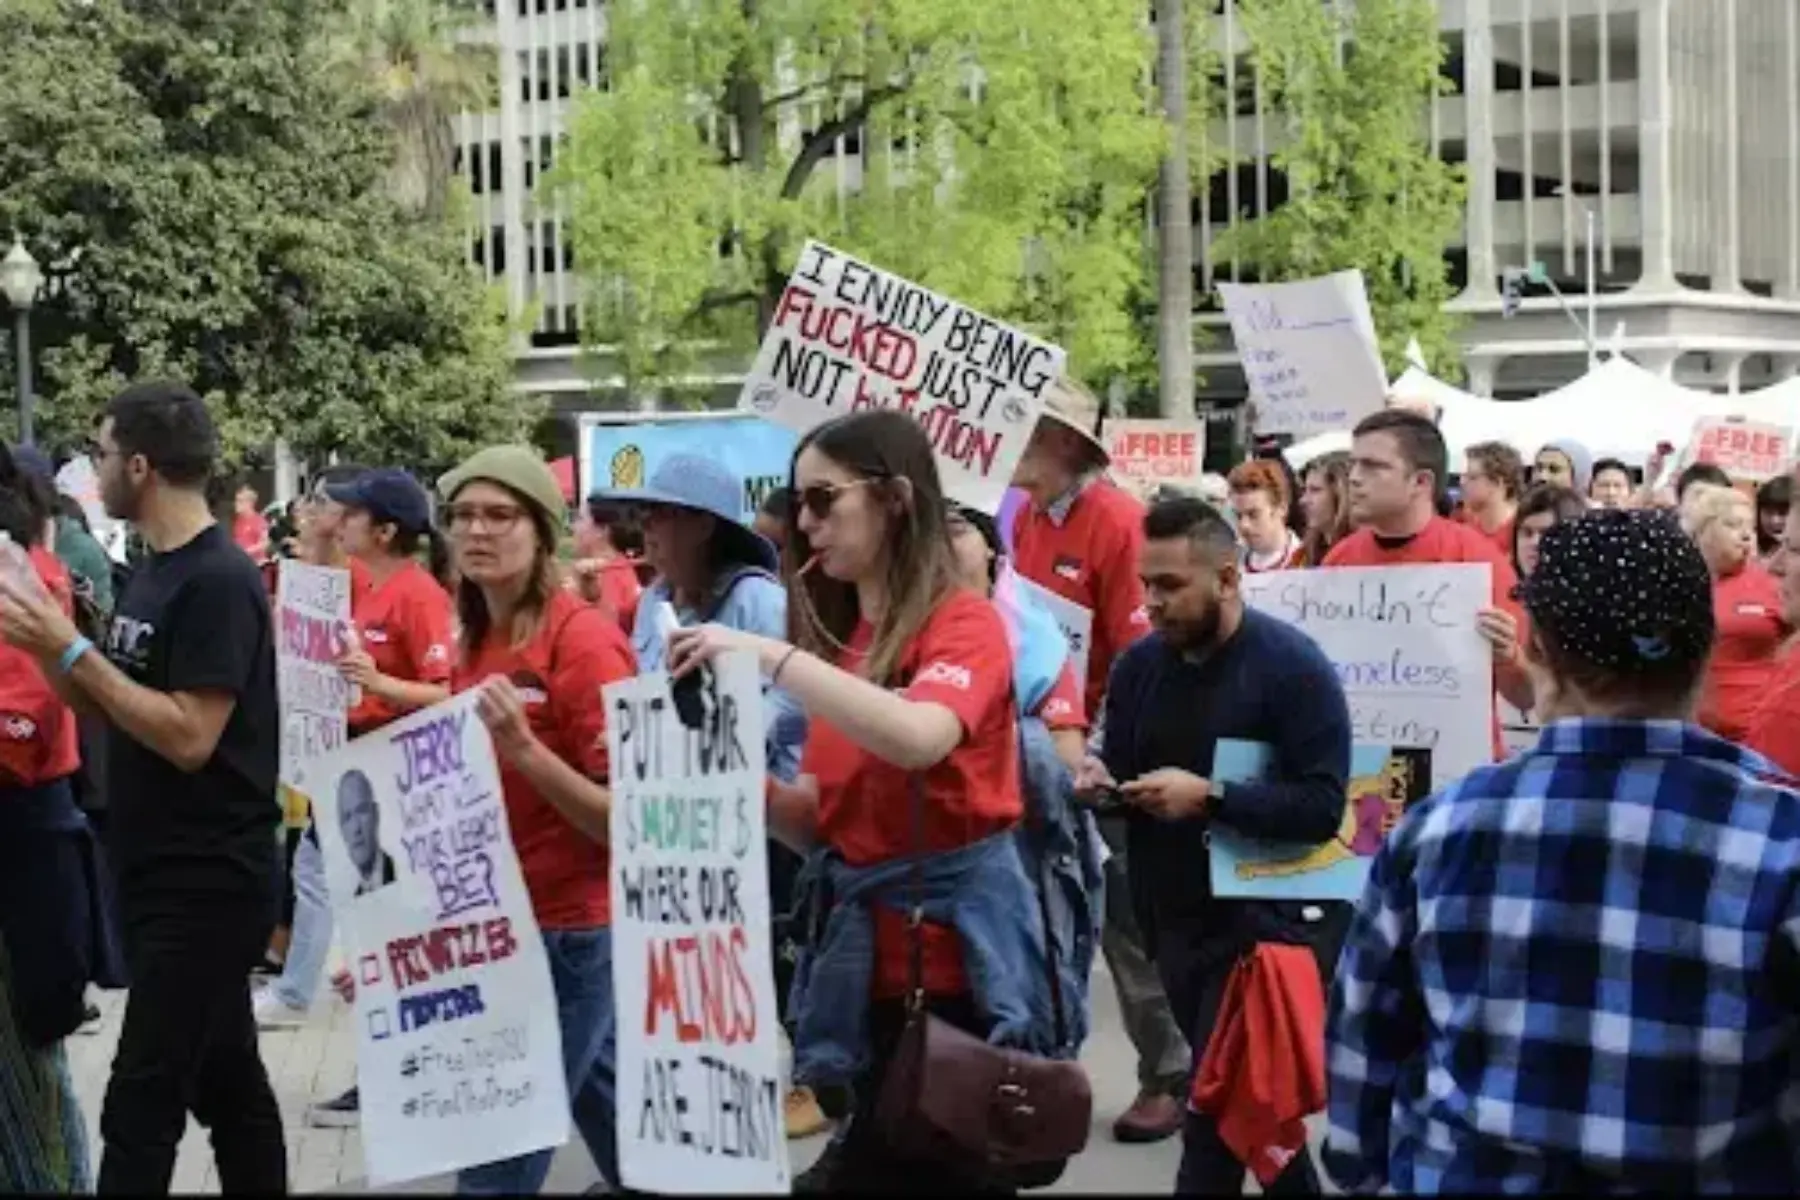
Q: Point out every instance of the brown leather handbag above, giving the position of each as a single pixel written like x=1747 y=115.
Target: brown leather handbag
x=950 y=1094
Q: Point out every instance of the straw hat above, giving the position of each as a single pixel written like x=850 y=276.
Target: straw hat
x=1074 y=407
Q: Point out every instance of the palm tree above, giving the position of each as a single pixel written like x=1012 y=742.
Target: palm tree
x=1175 y=230
x=423 y=75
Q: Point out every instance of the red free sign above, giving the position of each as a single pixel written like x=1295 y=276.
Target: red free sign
x=1749 y=450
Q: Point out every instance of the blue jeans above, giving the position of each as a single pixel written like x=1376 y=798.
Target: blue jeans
x=581 y=972
x=309 y=942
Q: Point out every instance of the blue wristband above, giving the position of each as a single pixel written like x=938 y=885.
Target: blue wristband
x=72 y=655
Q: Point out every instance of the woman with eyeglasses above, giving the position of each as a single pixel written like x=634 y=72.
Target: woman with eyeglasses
x=541 y=657
x=912 y=745
x=1541 y=507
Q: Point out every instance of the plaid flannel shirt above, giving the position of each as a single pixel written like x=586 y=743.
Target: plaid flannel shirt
x=1579 y=970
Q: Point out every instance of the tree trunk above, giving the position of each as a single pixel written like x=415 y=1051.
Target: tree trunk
x=1175 y=227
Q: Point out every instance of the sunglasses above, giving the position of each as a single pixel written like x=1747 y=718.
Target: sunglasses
x=820 y=498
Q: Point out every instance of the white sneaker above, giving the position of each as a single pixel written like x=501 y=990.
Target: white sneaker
x=271 y=1013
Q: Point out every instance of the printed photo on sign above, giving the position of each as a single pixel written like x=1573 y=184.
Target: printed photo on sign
x=848 y=336
x=624 y=457
x=1415 y=671
x=1309 y=352
x=459 y=1049
x=312 y=630
x=1384 y=782
x=700 y=1100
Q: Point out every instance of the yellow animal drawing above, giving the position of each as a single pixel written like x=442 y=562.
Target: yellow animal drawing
x=628 y=468
x=1372 y=806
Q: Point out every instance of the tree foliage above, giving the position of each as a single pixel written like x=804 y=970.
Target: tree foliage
x=1000 y=153
x=1366 y=191
x=211 y=199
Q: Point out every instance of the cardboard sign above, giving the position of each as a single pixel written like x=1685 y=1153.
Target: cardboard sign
x=1748 y=451
x=700 y=1097
x=1309 y=352
x=1148 y=454
x=312 y=631
x=458 y=1045
x=848 y=336
x=1075 y=620
x=1416 y=673
x=627 y=456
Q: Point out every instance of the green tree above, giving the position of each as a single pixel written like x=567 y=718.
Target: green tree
x=1005 y=154
x=1366 y=190
x=211 y=199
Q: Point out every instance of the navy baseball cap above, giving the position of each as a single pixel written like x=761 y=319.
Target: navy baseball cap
x=387 y=495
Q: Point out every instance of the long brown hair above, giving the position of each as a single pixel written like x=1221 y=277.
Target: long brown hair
x=1318 y=542
x=886 y=448
x=471 y=606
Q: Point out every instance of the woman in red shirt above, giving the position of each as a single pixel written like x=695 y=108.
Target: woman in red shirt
x=1775 y=731
x=608 y=550
x=541 y=657
x=1746 y=610
x=907 y=678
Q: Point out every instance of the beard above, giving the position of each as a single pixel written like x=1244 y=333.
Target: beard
x=120 y=499
x=1198 y=633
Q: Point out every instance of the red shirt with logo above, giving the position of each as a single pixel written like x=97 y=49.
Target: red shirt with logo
x=559 y=673
x=404 y=624
x=1441 y=541
x=961 y=660
x=620 y=591
x=38 y=738
x=1090 y=556
x=1775 y=730
x=1061 y=707
x=1748 y=633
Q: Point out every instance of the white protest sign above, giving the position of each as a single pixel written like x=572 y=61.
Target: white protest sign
x=1150 y=453
x=80 y=482
x=1309 y=352
x=700 y=1106
x=1748 y=451
x=849 y=336
x=1076 y=622
x=458 y=1045
x=312 y=623
x=1403 y=640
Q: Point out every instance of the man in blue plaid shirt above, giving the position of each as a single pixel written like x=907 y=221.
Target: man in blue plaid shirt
x=1580 y=970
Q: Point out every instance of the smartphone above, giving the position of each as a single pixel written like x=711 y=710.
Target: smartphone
x=690 y=704
x=1103 y=799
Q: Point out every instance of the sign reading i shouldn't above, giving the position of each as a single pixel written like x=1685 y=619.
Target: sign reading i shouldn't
x=849 y=336
x=699 y=1077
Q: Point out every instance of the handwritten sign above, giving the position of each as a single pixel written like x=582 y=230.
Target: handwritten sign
x=1309 y=352
x=1384 y=782
x=1748 y=451
x=1403 y=639
x=78 y=480
x=1148 y=454
x=848 y=336
x=700 y=1093
x=312 y=623
x=1075 y=620
x=459 y=1049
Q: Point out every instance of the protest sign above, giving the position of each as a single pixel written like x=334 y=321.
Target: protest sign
x=700 y=1105
x=78 y=480
x=848 y=336
x=758 y=452
x=312 y=629
x=1384 y=782
x=1309 y=352
x=1076 y=621
x=1416 y=672
x=1148 y=454
x=458 y=1045
x=1748 y=451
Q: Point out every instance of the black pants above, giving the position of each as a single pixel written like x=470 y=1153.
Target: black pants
x=290 y=845
x=189 y=1045
x=1195 y=975
x=866 y=1164
x=784 y=868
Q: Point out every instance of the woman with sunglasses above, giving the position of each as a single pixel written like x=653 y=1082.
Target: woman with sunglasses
x=912 y=744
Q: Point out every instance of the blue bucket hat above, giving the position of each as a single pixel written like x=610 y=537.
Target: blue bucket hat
x=703 y=485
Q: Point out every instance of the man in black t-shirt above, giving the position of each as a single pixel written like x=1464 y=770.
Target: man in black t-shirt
x=187 y=682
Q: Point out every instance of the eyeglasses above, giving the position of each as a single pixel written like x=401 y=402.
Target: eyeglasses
x=820 y=498
x=491 y=518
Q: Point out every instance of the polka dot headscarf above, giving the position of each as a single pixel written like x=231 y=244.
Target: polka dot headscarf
x=1626 y=590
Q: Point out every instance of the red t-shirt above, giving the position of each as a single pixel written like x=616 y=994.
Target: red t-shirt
x=620 y=591
x=960 y=659
x=404 y=624
x=1502 y=536
x=38 y=738
x=1749 y=632
x=251 y=532
x=1061 y=707
x=1441 y=541
x=1092 y=559
x=1775 y=730
x=576 y=652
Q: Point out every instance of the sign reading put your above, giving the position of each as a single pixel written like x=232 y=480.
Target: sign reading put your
x=849 y=336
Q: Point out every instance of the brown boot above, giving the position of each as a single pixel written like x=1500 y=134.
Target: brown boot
x=1153 y=1117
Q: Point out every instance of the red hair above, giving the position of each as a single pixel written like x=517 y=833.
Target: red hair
x=1261 y=475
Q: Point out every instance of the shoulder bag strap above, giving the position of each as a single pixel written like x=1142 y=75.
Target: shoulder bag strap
x=915 y=908
x=1043 y=883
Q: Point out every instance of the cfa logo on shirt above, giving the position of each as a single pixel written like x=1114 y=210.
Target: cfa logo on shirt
x=128 y=643
x=1068 y=568
x=1752 y=610
x=375 y=635
x=948 y=674
x=1056 y=710
x=530 y=688
x=437 y=654
x=18 y=727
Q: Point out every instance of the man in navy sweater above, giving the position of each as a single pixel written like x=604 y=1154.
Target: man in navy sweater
x=1214 y=669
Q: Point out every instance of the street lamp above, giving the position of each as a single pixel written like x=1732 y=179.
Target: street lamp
x=20 y=279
